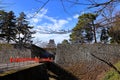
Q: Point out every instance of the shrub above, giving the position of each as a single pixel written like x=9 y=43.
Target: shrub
x=112 y=74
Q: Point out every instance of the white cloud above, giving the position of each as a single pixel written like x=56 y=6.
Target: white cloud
x=43 y=22
x=42 y=13
x=53 y=24
x=50 y=19
x=46 y=37
x=35 y=18
x=69 y=19
x=76 y=16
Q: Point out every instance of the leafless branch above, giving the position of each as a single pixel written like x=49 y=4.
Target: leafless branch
x=39 y=1
x=64 y=7
x=101 y=4
x=105 y=21
x=77 y=2
x=107 y=62
x=91 y=4
x=5 y=5
x=44 y=4
x=38 y=41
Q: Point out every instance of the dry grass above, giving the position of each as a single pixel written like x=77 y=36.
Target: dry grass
x=5 y=46
x=87 y=71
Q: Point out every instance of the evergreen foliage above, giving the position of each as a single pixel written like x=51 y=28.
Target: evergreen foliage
x=85 y=30
x=15 y=29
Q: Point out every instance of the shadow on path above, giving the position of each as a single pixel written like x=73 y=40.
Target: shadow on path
x=61 y=74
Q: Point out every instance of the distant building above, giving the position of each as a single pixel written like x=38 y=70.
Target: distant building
x=51 y=44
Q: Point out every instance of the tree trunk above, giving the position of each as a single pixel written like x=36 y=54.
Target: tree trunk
x=94 y=32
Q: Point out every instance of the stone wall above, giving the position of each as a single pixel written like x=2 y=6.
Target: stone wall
x=7 y=51
x=34 y=73
x=67 y=54
x=41 y=52
x=78 y=60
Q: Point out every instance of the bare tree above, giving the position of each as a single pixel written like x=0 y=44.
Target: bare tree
x=108 y=13
x=89 y=3
x=4 y=5
x=107 y=62
x=40 y=43
x=100 y=7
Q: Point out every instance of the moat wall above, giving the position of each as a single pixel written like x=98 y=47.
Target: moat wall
x=7 y=51
x=78 y=60
x=34 y=73
x=69 y=54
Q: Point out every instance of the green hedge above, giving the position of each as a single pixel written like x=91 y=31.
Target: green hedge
x=112 y=74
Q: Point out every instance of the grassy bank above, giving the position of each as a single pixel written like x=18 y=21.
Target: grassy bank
x=112 y=74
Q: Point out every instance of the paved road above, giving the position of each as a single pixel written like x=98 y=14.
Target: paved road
x=16 y=66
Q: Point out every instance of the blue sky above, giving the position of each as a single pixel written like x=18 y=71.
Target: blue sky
x=51 y=17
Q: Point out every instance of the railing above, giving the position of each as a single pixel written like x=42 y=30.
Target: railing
x=17 y=63
x=36 y=59
x=14 y=65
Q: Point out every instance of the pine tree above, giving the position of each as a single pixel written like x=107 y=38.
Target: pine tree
x=85 y=30
x=23 y=30
x=3 y=15
x=8 y=26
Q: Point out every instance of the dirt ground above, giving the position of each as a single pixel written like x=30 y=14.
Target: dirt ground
x=88 y=71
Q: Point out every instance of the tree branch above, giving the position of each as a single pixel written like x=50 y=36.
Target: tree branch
x=44 y=4
x=39 y=1
x=63 y=6
x=108 y=63
x=101 y=4
x=76 y=2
